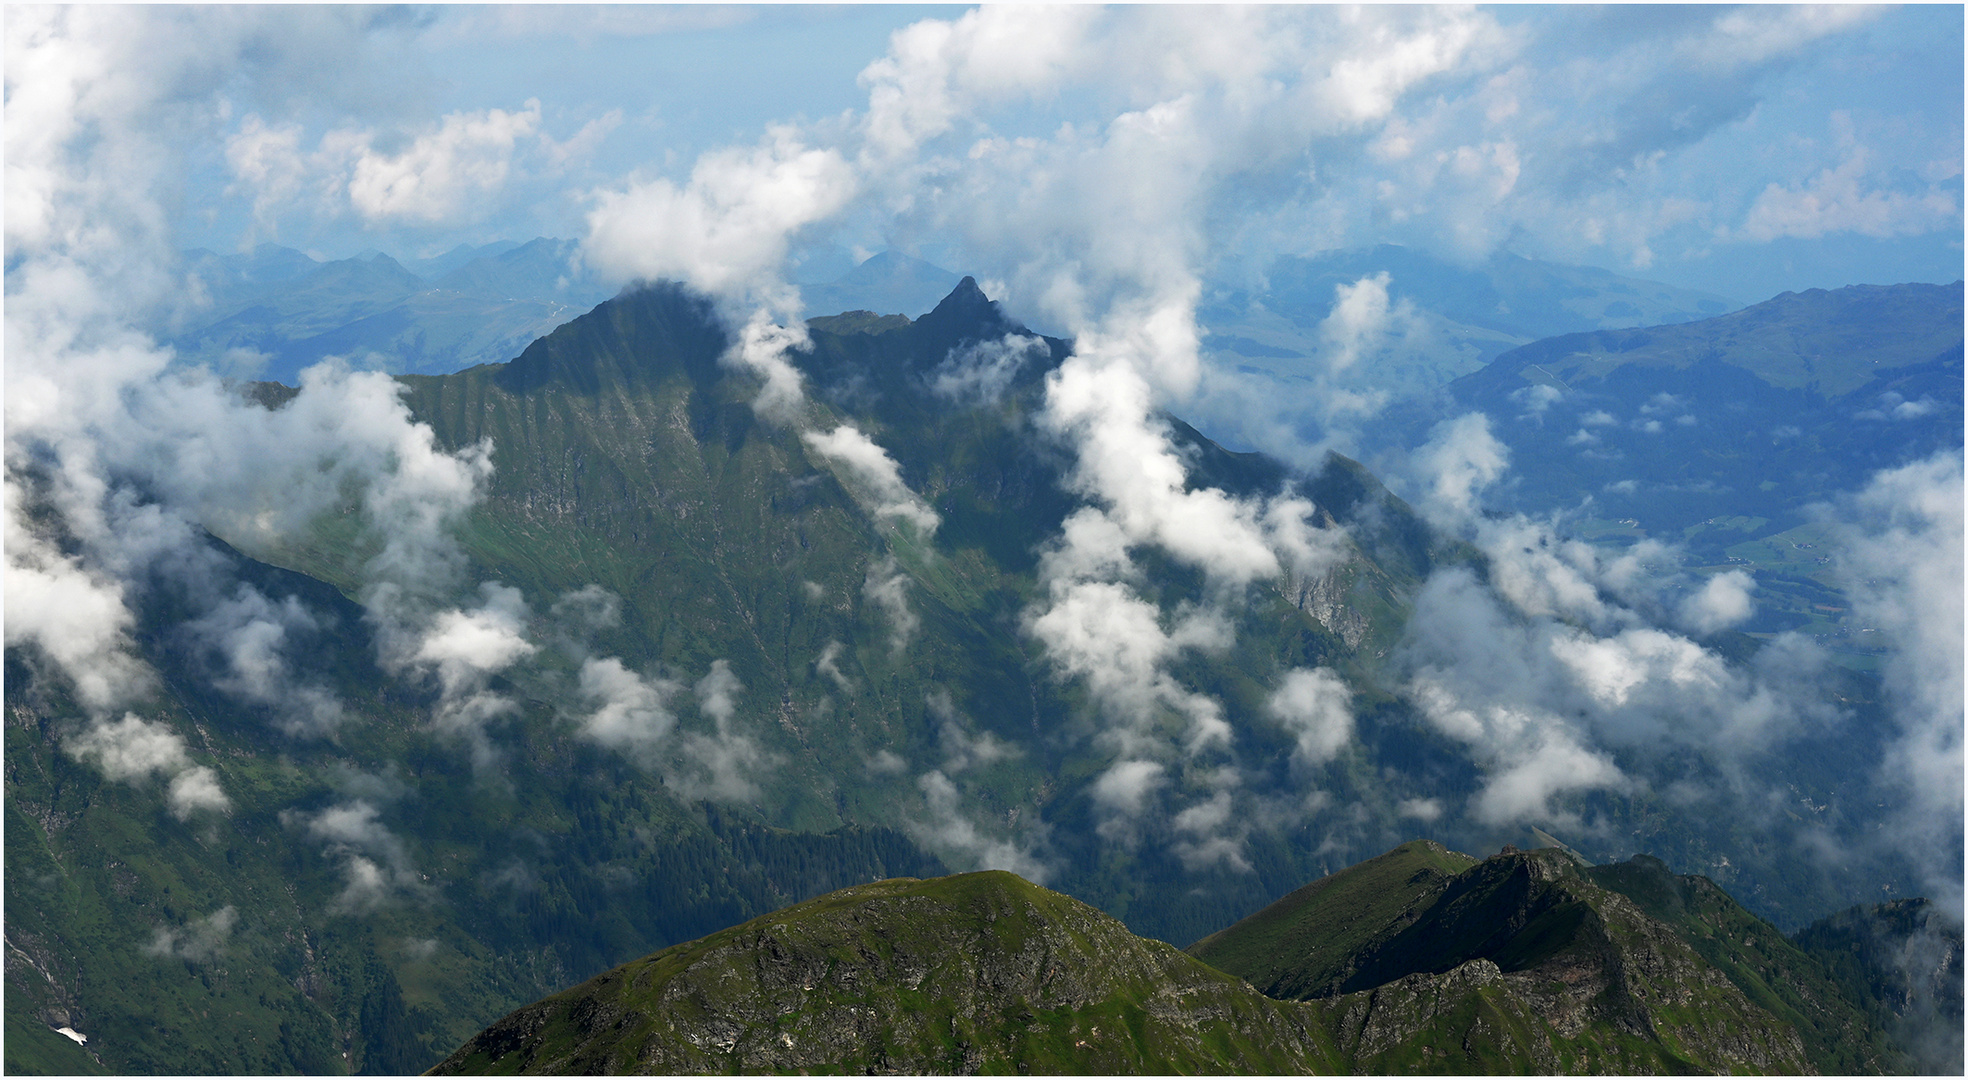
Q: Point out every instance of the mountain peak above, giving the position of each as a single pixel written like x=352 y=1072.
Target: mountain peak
x=967 y=315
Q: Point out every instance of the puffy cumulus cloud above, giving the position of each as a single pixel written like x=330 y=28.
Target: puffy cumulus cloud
x=463 y=649
x=631 y=712
x=1547 y=766
x=443 y=171
x=74 y=615
x=1359 y=317
x=958 y=838
x=1115 y=641
x=1103 y=404
x=887 y=588
x=873 y=476
x=199 y=941
x=1209 y=834
x=935 y=71
x=981 y=371
x=464 y=646
x=134 y=749
x=723 y=763
x=727 y=230
x=256 y=638
x=1317 y=708
x=1551 y=710
x=1422 y=810
x=451 y=172
x=375 y=863
x=1459 y=460
x=962 y=749
x=1721 y=604
x=1125 y=789
x=1901 y=564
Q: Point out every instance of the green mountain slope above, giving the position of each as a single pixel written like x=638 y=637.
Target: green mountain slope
x=1537 y=935
x=1900 y=963
x=627 y=456
x=879 y=708
x=1306 y=944
x=1531 y=969
x=1721 y=435
x=1468 y=315
x=976 y=973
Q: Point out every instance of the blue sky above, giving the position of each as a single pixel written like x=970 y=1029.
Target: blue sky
x=1740 y=151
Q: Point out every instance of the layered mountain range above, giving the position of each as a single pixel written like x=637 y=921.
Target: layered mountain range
x=744 y=661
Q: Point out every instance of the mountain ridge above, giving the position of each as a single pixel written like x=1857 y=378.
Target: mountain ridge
x=986 y=972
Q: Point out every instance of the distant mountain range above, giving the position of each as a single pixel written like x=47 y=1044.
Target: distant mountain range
x=1720 y=434
x=1448 y=319
x=1423 y=960
x=274 y=311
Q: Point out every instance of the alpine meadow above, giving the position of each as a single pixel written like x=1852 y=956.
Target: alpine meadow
x=1025 y=539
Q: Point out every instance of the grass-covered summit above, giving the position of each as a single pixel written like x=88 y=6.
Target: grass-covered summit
x=1422 y=960
x=1627 y=966
x=981 y=972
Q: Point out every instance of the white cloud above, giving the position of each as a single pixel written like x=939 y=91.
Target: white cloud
x=1460 y=459
x=1316 y=707
x=255 y=636
x=376 y=866
x=873 y=476
x=960 y=840
x=443 y=171
x=1102 y=633
x=727 y=230
x=1838 y=200
x=134 y=749
x=887 y=588
x=1210 y=835
x=828 y=664
x=962 y=749
x=980 y=372
x=1722 y=603
x=1901 y=564
x=631 y=712
x=200 y=941
x=727 y=763
x=1422 y=810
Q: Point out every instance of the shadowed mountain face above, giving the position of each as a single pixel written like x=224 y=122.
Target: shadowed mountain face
x=1625 y=954
x=1900 y=961
x=1515 y=964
